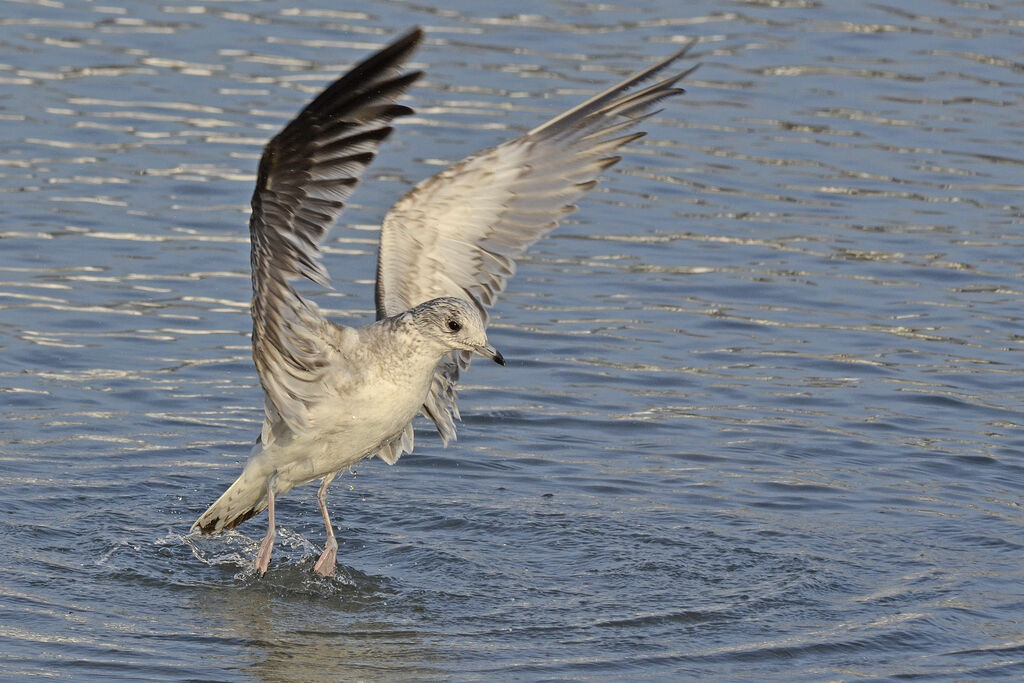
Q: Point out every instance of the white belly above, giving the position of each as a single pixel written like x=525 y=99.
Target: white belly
x=347 y=428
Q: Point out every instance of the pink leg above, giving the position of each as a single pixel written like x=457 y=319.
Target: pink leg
x=327 y=563
x=267 y=544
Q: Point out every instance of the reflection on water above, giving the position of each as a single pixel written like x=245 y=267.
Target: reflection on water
x=762 y=412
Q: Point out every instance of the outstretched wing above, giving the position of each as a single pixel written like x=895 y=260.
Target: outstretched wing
x=459 y=232
x=306 y=174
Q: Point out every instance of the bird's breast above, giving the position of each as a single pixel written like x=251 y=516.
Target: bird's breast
x=374 y=402
x=374 y=389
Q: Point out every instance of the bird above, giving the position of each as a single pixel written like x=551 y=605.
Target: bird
x=337 y=394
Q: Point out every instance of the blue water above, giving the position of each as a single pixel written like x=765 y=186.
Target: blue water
x=762 y=415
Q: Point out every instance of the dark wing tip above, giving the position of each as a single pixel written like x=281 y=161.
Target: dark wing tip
x=690 y=70
x=375 y=76
x=687 y=46
x=396 y=51
x=614 y=95
x=414 y=37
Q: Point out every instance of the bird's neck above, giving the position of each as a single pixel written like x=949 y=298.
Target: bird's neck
x=415 y=350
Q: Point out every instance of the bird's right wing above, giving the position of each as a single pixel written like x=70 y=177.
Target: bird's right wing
x=459 y=232
x=306 y=175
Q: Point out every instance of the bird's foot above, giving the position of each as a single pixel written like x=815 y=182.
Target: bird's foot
x=327 y=564
x=263 y=556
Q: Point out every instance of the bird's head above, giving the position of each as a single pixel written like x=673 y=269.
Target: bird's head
x=455 y=324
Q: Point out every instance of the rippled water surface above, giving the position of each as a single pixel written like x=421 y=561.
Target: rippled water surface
x=762 y=415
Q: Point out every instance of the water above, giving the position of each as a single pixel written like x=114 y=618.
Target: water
x=762 y=415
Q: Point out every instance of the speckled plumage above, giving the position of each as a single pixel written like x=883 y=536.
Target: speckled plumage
x=335 y=395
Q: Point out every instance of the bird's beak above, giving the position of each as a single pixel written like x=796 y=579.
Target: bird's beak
x=489 y=351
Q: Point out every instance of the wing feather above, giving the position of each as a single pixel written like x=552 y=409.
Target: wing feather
x=306 y=174
x=459 y=232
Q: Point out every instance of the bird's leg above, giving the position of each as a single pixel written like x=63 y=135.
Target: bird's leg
x=267 y=544
x=327 y=563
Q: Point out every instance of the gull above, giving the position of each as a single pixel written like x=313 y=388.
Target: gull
x=335 y=395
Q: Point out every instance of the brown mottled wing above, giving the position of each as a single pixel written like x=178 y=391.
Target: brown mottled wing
x=306 y=174
x=459 y=232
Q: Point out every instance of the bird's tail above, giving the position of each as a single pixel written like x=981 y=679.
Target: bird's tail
x=245 y=498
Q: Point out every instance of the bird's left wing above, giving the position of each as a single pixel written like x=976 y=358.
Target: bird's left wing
x=459 y=232
x=306 y=174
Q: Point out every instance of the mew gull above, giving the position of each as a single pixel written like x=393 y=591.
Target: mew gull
x=335 y=395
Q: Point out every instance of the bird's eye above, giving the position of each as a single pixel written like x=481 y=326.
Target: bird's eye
x=454 y=325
